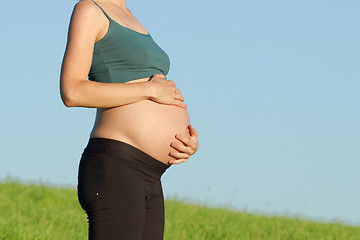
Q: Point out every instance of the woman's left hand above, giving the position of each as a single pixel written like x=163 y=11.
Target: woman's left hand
x=185 y=150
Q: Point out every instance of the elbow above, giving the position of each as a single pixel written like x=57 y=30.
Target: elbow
x=71 y=90
x=68 y=102
x=69 y=99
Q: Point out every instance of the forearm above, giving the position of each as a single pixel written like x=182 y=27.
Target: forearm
x=104 y=95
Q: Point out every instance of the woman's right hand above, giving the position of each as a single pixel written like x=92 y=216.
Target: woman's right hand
x=165 y=92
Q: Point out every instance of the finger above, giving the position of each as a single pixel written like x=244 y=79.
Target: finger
x=158 y=75
x=179 y=155
x=179 y=104
x=181 y=148
x=172 y=83
x=193 y=132
x=177 y=161
x=192 y=143
x=184 y=140
x=178 y=95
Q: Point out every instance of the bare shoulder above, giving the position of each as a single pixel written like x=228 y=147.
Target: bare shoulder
x=87 y=20
x=87 y=9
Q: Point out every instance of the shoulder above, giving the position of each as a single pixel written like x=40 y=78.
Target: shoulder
x=88 y=16
x=86 y=9
x=86 y=22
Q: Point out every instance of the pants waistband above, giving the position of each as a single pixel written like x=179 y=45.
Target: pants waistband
x=119 y=148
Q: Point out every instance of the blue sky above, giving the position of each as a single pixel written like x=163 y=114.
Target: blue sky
x=272 y=87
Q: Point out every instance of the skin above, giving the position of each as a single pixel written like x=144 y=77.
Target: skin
x=88 y=25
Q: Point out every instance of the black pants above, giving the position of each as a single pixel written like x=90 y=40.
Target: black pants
x=119 y=188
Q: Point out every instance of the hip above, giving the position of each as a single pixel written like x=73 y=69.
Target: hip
x=108 y=166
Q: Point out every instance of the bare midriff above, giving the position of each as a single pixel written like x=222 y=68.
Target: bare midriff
x=149 y=126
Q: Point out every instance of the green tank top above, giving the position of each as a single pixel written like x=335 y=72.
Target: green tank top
x=124 y=54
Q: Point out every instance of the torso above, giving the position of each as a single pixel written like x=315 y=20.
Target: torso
x=146 y=125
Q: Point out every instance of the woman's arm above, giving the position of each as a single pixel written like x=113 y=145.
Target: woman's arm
x=86 y=24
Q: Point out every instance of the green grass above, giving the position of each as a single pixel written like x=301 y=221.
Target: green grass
x=42 y=212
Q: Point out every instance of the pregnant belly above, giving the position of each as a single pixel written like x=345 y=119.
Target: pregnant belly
x=149 y=126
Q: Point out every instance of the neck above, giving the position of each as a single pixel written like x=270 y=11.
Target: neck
x=118 y=3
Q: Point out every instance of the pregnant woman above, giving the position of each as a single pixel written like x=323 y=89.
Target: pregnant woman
x=142 y=126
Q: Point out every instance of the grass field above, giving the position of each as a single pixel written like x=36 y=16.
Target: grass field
x=29 y=212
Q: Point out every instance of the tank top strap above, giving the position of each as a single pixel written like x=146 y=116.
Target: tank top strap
x=102 y=10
